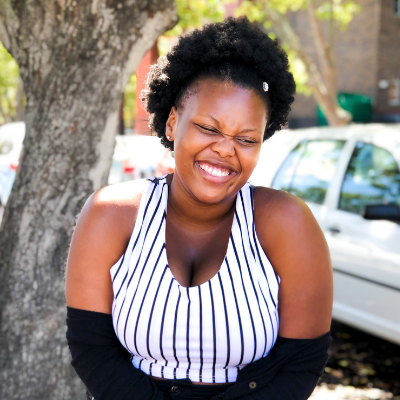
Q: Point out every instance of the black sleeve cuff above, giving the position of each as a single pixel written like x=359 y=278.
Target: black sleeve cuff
x=101 y=362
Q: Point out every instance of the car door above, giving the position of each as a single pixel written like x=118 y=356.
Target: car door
x=308 y=170
x=366 y=254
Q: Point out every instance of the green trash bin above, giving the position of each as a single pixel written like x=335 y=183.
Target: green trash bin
x=358 y=105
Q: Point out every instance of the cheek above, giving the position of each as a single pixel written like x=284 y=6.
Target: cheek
x=190 y=143
x=249 y=159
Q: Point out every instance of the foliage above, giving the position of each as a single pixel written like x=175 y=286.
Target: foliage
x=192 y=14
x=9 y=76
x=130 y=102
x=339 y=12
x=195 y=13
x=298 y=69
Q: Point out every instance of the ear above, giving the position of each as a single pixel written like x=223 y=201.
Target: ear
x=170 y=125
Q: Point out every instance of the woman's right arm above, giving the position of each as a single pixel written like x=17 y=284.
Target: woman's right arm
x=101 y=236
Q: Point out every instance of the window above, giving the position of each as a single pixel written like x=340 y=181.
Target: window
x=309 y=168
x=396 y=7
x=372 y=177
x=394 y=92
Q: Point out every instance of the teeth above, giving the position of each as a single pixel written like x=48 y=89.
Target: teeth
x=213 y=170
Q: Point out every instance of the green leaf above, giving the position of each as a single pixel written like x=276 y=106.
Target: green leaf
x=340 y=11
x=9 y=76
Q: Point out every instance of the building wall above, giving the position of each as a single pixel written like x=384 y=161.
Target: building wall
x=389 y=63
x=356 y=53
x=142 y=117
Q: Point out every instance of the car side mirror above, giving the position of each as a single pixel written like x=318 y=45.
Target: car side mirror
x=390 y=212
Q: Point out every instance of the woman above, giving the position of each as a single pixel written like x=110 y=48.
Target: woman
x=173 y=284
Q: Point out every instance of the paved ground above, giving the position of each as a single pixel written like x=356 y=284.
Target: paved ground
x=360 y=367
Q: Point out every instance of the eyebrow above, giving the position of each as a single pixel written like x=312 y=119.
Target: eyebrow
x=242 y=131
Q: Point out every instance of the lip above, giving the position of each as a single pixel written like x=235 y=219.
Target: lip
x=212 y=178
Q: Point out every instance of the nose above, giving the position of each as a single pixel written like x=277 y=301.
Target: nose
x=224 y=146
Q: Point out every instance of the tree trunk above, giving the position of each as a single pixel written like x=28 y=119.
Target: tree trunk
x=75 y=58
x=323 y=94
x=333 y=112
x=19 y=99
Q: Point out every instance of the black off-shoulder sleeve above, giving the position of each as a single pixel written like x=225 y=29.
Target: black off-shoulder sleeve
x=101 y=362
x=289 y=372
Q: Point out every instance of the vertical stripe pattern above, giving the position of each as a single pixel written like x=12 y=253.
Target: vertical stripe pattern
x=206 y=333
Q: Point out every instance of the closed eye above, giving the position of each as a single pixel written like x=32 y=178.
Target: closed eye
x=208 y=130
x=212 y=131
x=246 y=142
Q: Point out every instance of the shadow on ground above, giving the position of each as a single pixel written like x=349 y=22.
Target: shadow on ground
x=363 y=361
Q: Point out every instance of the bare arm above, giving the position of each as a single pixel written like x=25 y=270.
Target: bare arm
x=296 y=248
x=100 y=238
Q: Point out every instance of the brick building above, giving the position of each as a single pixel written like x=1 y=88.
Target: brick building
x=368 y=60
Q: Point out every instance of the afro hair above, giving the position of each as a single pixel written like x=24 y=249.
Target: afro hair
x=234 y=50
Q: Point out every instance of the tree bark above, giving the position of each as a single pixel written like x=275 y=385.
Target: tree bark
x=335 y=114
x=19 y=99
x=75 y=58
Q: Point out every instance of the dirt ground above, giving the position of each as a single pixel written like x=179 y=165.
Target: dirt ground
x=360 y=367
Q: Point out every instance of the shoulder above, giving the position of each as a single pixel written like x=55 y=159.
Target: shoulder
x=107 y=219
x=279 y=212
x=114 y=207
x=296 y=247
x=286 y=227
x=101 y=236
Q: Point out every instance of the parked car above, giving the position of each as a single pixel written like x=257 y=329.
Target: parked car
x=135 y=156
x=350 y=179
x=139 y=156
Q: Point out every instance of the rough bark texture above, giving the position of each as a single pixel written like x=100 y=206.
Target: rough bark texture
x=75 y=58
x=19 y=99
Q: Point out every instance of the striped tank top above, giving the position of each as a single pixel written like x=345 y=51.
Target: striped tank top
x=206 y=333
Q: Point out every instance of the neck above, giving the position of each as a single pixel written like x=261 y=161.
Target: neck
x=193 y=214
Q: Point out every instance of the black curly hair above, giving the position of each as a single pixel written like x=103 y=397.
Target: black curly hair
x=234 y=50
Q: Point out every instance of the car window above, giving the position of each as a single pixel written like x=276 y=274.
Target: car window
x=372 y=177
x=309 y=168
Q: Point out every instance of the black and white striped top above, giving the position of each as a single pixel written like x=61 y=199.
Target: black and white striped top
x=205 y=333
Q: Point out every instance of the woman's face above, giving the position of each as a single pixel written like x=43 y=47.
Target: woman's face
x=217 y=133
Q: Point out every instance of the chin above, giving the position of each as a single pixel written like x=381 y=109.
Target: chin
x=214 y=196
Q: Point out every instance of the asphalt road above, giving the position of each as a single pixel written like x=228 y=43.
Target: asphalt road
x=360 y=366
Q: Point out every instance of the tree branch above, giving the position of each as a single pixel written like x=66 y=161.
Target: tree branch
x=325 y=56
x=321 y=45
x=328 y=103
x=4 y=37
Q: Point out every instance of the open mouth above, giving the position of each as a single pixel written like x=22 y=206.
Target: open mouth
x=215 y=171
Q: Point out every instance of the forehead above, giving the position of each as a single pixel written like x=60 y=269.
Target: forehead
x=225 y=100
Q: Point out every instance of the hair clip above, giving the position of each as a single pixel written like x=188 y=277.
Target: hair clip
x=265 y=86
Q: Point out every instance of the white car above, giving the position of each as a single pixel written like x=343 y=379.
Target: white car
x=350 y=179
x=11 y=138
x=139 y=156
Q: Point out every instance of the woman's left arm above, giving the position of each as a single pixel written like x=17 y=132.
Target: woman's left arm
x=296 y=247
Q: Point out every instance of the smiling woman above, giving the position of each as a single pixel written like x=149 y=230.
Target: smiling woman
x=197 y=285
